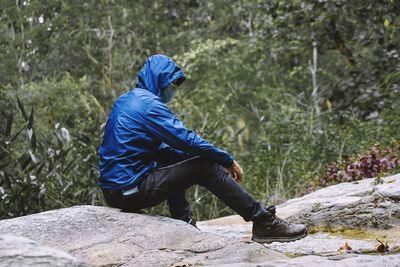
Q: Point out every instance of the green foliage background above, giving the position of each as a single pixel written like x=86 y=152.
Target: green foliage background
x=249 y=88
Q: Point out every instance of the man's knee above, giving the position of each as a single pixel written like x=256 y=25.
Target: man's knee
x=209 y=169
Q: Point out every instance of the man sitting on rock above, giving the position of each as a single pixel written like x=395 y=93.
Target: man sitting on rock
x=148 y=156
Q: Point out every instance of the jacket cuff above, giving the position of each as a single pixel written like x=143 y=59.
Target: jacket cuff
x=228 y=161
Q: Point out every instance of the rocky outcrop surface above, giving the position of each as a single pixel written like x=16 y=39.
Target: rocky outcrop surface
x=20 y=251
x=339 y=210
x=325 y=244
x=103 y=236
x=321 y=248
x=361 y=204
x=345 y=260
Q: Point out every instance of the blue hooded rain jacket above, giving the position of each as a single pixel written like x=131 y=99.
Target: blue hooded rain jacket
x=140 y=127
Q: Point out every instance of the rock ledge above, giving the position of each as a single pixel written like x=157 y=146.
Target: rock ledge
x=102 y=236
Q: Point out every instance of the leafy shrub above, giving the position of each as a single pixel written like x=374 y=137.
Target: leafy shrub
x=42 y=168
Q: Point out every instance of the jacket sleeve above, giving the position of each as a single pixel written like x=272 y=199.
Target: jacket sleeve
x=164 y=125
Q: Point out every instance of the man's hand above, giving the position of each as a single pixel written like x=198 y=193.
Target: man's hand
x=236 y=171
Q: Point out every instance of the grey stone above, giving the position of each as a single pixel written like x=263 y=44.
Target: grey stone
x=324 y=244
x=320 y=243
x=103 y=236
x=346 y=260
x=361 y=204
x=18 y=251
x=320 y=249
x=356 y=205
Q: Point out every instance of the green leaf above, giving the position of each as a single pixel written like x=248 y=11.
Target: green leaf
x=67 y=169
x=24 y=161
x=3 y=154
x=9 y=124
x=33 y=141
x=39 y=169
x=30 y=120
x=16 y=135
x=7 y=180
x=2 y=166
x=33 y=157
x=22 y=109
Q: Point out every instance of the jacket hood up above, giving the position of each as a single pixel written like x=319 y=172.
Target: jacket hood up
x=157 y=73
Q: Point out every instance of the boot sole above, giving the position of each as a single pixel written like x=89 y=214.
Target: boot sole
x=268 y=240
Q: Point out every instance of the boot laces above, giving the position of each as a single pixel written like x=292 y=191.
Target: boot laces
x=275 y=219
x=280 y=221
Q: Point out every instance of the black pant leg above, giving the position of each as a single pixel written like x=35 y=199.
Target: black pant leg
x=152 y=191
x=178 y=206
x=171 y=180
x=169 y=183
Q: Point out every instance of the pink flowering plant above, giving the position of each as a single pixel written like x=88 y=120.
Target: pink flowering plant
x=376 y=162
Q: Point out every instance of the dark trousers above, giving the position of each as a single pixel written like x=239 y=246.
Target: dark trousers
x=170 y=182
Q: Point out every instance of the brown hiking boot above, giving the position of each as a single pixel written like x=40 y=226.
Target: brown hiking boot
x=277 y=230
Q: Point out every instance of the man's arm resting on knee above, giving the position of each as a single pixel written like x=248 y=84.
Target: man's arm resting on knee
x=169 y=129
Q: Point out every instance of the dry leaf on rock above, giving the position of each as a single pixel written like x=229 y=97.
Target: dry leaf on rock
x=382 y=247
x=345 y=248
